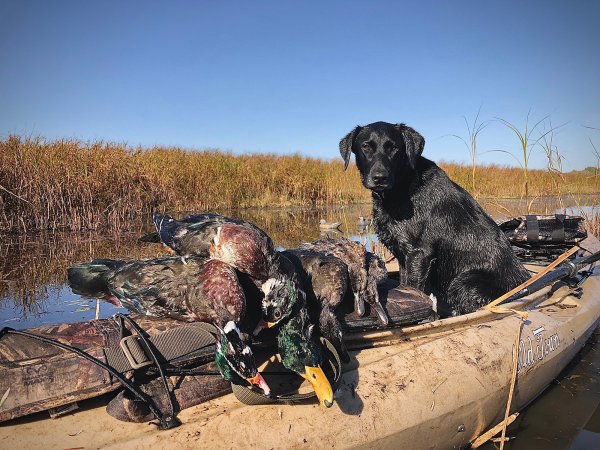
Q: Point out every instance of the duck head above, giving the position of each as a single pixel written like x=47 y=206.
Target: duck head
x=282 y=299
x=235 y=359
x=301 y=353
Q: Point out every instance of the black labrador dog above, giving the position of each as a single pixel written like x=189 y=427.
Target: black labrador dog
x=444 y=241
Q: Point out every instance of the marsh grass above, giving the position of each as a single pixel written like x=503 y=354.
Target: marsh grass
x=473 y=131
x=72 y=185
x=78 y=186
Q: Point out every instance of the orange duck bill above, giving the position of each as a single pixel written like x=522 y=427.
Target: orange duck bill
x=259 y=381
x=263 y=324
x=320 y=383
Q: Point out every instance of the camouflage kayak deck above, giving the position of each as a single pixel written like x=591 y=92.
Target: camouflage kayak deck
x=41 y=376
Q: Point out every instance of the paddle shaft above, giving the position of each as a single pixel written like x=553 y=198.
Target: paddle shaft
x=566 y=269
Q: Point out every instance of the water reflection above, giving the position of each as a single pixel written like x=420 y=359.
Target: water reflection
x=33 y=267
x=567 y=416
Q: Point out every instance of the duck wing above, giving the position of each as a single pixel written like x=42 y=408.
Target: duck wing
x=156 y=287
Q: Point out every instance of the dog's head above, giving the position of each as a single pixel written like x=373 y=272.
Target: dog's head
x=383 y=151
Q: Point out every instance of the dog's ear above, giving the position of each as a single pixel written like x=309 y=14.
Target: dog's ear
x=413 y=141
x=346 y=145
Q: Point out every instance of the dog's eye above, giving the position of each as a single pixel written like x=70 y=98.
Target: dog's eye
x=365 y=147
x=390 y=149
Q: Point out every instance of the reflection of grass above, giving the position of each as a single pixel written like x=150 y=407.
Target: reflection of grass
x=30 y=266
x=594 y=223
x=79 y=186
x=33 y=267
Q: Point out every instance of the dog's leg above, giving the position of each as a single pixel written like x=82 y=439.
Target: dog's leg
x=471 y=290
x=418 y=264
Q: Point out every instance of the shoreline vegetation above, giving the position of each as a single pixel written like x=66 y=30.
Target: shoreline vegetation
x=74 y=185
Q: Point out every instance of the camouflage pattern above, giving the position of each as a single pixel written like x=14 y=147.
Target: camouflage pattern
x=40 y=376
x=574 y=230
x=187 y=391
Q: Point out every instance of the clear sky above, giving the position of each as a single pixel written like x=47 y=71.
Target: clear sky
x=295 y=77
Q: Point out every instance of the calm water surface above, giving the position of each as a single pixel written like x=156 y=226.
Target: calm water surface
x=33 y=292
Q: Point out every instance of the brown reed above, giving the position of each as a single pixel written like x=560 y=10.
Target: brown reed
x=74 y=185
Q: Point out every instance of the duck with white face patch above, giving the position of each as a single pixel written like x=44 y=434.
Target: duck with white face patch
x=235 y=359
x=194 y=290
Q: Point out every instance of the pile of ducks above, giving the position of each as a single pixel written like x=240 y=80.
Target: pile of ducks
x=227 y=272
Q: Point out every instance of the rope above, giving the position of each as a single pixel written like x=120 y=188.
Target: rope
x=513 y=381
x=492 y=306
x=165 y=421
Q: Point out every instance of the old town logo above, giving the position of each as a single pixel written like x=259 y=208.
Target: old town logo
x=535 y=348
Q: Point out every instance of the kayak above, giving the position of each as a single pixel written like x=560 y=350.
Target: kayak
x=438 y=384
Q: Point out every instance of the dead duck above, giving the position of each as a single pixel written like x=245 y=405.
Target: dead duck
x=287 y=315
x=197 y=290
x=326 y=280
x=240 y=244
x=353 y=255
x=376 y=275
x=301 y=353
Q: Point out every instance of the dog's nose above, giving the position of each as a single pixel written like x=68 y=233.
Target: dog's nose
x=379 y=178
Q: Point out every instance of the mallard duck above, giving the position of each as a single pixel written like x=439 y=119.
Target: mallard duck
x=353 y=255
x=240 y=244
x=326 y=280
x=300 y=353
x=194 y=290
x=376 y=274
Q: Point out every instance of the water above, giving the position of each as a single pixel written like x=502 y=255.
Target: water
x=33 y=292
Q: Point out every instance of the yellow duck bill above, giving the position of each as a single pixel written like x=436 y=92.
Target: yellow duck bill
x=320 y=383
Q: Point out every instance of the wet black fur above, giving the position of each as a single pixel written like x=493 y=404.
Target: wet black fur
x=444 y=241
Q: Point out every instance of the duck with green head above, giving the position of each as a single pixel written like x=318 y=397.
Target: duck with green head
x=194 y=290
x=299 y=349
x=301 y=353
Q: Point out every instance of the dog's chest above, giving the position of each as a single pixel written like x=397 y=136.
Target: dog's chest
x=397 y=234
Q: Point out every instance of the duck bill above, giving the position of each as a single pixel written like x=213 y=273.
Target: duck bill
x=262 y=324
x=320 y=383
x=259 y=381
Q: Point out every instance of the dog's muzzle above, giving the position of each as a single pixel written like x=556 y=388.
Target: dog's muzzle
x=378 y=182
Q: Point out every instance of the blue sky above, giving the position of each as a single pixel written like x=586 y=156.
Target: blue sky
x=295 y=77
